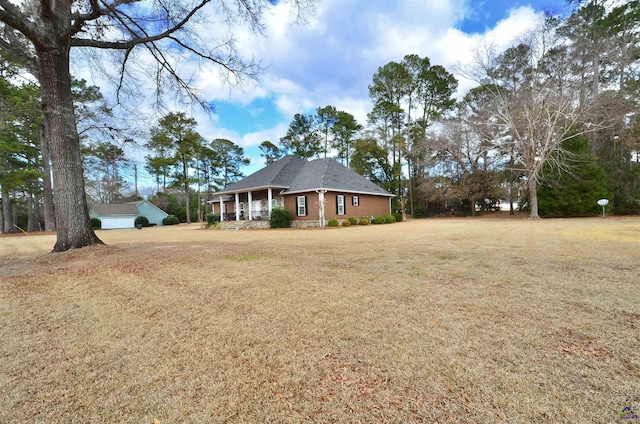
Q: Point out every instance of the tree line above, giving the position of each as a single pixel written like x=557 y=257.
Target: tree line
x=552 y=123
x=178 y=157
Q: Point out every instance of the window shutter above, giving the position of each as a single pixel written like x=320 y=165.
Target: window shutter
x=337 y=205
x=306 y=207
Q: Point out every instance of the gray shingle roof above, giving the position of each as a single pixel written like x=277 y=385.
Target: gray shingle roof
x=279 y=174
x=295 y=175
x=329 y=174
x=115 y=208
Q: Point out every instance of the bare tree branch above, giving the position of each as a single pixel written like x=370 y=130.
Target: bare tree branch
x=16 y=19
x=124 y=19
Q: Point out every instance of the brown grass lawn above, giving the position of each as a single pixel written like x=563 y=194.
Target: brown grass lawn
x=445 y=320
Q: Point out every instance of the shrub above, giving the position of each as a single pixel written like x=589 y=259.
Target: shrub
x=364 y=220
x=346 y=223
x=142 y=221
x=213 y=219
x=333 y=223
x=280 y=218
x=353 y=220
x=390 y=218
x=398 y=216
x=181 y=214
x=96 y=223
x=171 y=220
x=379 y=220
x=194 y=216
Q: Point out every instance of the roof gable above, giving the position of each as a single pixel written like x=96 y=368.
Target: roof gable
x=146 y=207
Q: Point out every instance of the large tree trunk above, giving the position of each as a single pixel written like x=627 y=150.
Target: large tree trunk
x=36 y=213
x=47 y=191
x=511 y=210
x=31 y=218
x=186 y=191
x=7 y=213
x=533 y=198
x=71 y=211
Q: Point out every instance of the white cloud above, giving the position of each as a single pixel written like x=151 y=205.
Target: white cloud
x=271 y=134
x=332 y=59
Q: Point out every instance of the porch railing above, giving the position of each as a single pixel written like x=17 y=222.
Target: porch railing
x=259 y=215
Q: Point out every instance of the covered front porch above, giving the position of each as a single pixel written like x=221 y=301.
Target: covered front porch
x=255 y=205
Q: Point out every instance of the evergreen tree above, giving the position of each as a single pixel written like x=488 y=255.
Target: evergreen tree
x=270 y=152
x=575 y=188
x=303 y=137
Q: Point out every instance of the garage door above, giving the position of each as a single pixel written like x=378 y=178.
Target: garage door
x=115 y=223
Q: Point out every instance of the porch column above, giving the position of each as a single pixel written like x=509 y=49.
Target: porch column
x=321 y=206
x=221 y=209
x=237 y=206
x=270 y=200
x=250 y=202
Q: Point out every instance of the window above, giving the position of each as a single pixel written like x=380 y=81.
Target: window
x=355 y=200
x=274 y=203
x=302 y=205
x=340 y=209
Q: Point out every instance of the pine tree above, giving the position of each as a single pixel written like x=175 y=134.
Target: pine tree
x=575 y=188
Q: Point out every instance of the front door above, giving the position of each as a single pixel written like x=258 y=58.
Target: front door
x=256 y=209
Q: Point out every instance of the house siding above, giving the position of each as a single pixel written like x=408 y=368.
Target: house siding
x=151 y=212
x=313 y=214
x=369 y=205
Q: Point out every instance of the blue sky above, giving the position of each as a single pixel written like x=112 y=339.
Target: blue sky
x=331 y=59
x=485 y=14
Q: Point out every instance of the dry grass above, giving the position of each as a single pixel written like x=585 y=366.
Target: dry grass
x=453 y=320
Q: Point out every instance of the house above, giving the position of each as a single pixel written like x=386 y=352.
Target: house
x=123 y=215
x=313 y=191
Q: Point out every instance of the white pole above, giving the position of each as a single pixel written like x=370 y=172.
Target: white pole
x=321 y=204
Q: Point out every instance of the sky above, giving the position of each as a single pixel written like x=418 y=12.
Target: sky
x=331 y=58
